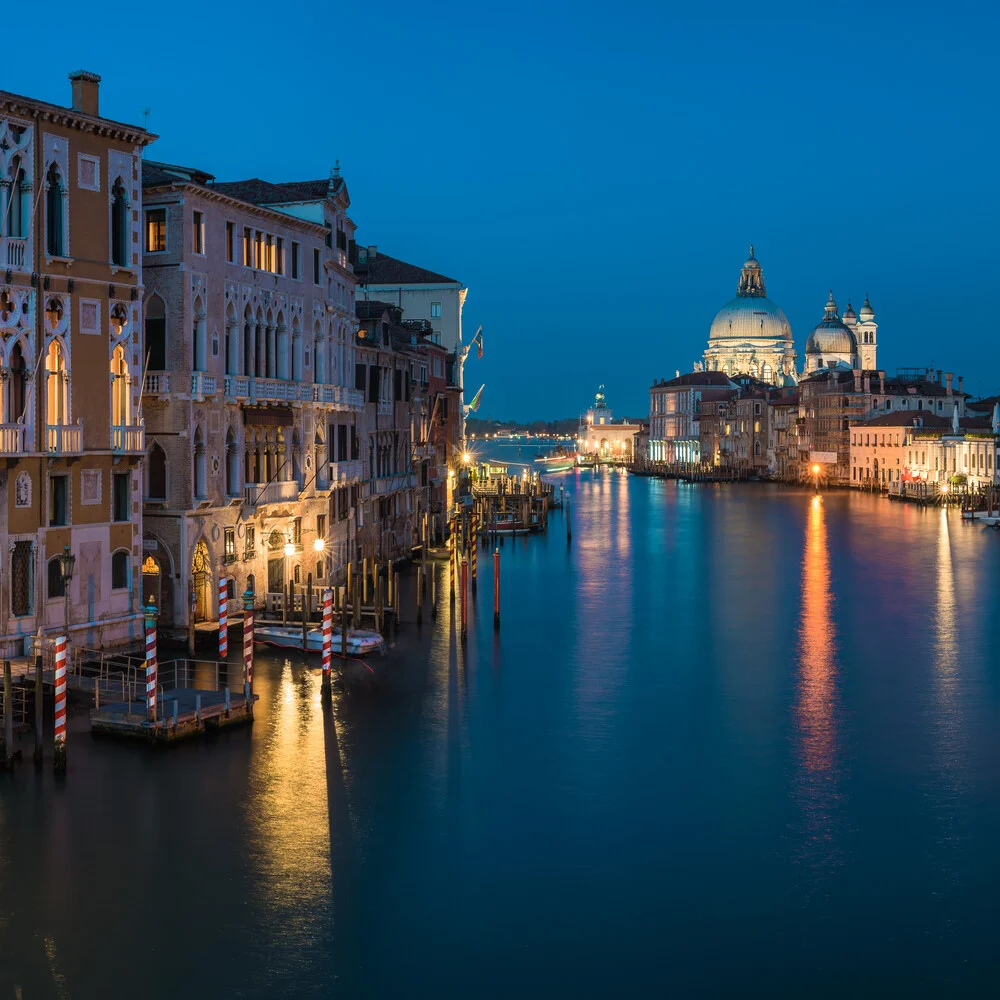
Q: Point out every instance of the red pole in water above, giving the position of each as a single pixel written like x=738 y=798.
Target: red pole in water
x=327 y=639
x=60 y=705
x=465 y=584
x=496 y=588
x=150 y=613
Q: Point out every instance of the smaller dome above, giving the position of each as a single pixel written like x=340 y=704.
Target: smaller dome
x=867 y=312
x=849 y=317
x=831 y=336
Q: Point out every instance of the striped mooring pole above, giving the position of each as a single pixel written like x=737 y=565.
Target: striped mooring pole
x=248 y=647
x=60 y=716
x=496 y=588
x=327 y=639
x=474 y=547
x=451 y=557
x=150 y=615
x=223 y=619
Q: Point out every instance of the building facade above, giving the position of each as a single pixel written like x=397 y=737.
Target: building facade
x=71 y=361
x=675 y=415
x=249 y=398
x=598 y=435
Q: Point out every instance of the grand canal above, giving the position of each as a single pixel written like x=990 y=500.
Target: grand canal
x=735 y=740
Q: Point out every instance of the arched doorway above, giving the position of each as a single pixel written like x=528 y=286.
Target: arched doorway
x=151 y=587
x=201 y=582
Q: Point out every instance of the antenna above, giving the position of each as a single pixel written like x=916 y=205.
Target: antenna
x=145 y=112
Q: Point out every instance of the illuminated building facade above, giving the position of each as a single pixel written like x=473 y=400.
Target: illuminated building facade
x=599 y=436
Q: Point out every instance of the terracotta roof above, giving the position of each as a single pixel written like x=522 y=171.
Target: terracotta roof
x=385 y=270
x=907 y=418
x=708 y=395
x=261 y=192
x=697 y=379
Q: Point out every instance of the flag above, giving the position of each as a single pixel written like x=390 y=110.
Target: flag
x=478 y=339
x=474 y=405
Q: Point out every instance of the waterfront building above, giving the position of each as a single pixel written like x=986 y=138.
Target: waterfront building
x=783 y=446
x=750 y=334
x=735 y=428
x=599 y=436
x=421 y=295
x=924 y=447
x=249 y=397
x=71 y=430
x=383 y=372
x=675 y=413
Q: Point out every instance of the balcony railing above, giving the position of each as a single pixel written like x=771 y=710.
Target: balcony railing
x=203 y=384
x=156 y=383
x=342 y=472
x=11 y=439
x=14 y=251
x=256 y=494
x=64 y=439
x=128 y=439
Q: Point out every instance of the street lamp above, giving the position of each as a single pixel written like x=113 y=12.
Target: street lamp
x=815 y=472
x=67 y=562
x=319 y=546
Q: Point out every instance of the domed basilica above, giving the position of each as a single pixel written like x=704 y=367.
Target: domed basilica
x=752 y=336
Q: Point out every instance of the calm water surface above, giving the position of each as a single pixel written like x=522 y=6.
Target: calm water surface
x=734 y=740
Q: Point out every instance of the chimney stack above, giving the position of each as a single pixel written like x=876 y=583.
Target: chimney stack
x=868 y=381
x=948 y=376
x=857 y=379
x=960 y=377
x=939 y=376
x=85 y=88
x=881 y=383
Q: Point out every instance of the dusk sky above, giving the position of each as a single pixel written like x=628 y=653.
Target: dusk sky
x=594 y=173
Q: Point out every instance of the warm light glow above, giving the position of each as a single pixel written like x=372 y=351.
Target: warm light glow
x=815 y=470
x=465 y=457
x=319 y=545
x=289 y=549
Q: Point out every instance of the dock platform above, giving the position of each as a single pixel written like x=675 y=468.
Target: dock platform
x=182 y=713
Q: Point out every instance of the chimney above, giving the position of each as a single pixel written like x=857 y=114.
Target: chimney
x=868 y=381
x=960 y=377
x=373 y=253
x=939 y=376
x=85 y=87
x=857 y=379
x=948 y=376
x=881 y=383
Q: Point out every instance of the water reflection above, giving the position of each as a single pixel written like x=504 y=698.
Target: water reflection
x=816 y=706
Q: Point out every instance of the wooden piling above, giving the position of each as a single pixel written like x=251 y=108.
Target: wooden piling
x=433 y=591
x=464 y=602
x=39 y=703
x=420 y=603
x=496 y=589
x=364 y=580
x=395 y=601
x=569 y=528
x=8 y=716
x=306 y=608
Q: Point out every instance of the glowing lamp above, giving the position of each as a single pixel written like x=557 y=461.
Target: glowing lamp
x=289 y=549
x=319 y=545
x=815 y=470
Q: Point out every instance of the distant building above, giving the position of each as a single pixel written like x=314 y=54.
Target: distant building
x=675 y=413
x=601 y=437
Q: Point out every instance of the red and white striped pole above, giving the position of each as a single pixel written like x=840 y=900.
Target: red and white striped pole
x=327 y=639
x=223 y=619
x=451 y=557
x=60 y=720
x=150 y=615
x=248 y=597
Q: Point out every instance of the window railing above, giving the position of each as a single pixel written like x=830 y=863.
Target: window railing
x=128 y=439
x=14 y=251
x=64 y=439
x=11 y=439
x=256 y=494
x=156 y=383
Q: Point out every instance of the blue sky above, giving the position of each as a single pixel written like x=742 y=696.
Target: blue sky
x=595 y=172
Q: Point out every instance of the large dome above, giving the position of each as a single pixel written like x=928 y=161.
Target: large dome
x=746 y=318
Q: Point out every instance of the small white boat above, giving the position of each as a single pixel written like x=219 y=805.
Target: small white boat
x=359 y=641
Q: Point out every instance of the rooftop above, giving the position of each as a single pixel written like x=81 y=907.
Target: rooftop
x=712 y=378
x=380 y=269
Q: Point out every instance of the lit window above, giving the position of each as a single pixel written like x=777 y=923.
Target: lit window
x=247 y=248
x=156 y=230
x=198 y=222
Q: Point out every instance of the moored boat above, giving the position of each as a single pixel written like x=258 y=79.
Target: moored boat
x=559 y=461
x=359 y=641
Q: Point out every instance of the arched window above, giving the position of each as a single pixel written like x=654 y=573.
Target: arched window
x=15 y=202
x=16 y=386
x=120 y=570
x=200 y=484
x=119 y=225
x=766 y=372
x=54 y=238
x=756 y=448
x=119 y=388
x=284 y=368
x=156 y=484
x=56 y=583
x=56 y=386
x=248 y=334
x=296 y=350
x=156 y=334
x=251 y=583
x=232 y=342
x=260 y=361
x=199 y=346
x=232 y=465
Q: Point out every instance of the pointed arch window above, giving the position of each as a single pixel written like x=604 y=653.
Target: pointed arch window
x=200 y=470
x=16 y=388
x=156 y=474
x=15 y=212
x=55 y=237
x=120 y=385
x=119 y=225
x=232 y=465
x=56 y=386
x=156 y=334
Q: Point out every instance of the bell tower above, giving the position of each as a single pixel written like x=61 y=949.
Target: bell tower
x=867 y=334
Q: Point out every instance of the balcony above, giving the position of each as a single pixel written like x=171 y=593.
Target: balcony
x=343 y=472
x=203 y=384
x=64 y=439
x=14 y=251
x=128 y=439
x=257 y=494
x=245 y=387
x=156 y=383
x=11 y=439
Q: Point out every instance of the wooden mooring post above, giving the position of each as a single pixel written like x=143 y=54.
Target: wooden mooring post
x=39 y=703
x=8 y=716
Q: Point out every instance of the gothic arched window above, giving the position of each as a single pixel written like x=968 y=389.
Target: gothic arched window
x=119 y=225
x=54 y=237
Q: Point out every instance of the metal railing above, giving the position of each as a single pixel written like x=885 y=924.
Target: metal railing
x=15 y=251
x=64 y=439
x=128 y=439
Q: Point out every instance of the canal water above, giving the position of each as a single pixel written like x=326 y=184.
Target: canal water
x=736 y=740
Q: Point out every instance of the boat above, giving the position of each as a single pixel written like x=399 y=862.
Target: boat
x=359 y=641
x=586 y=461
x=559 y=461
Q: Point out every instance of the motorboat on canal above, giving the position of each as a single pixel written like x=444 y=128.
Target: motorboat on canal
x=359 y=641
x=559 y=461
